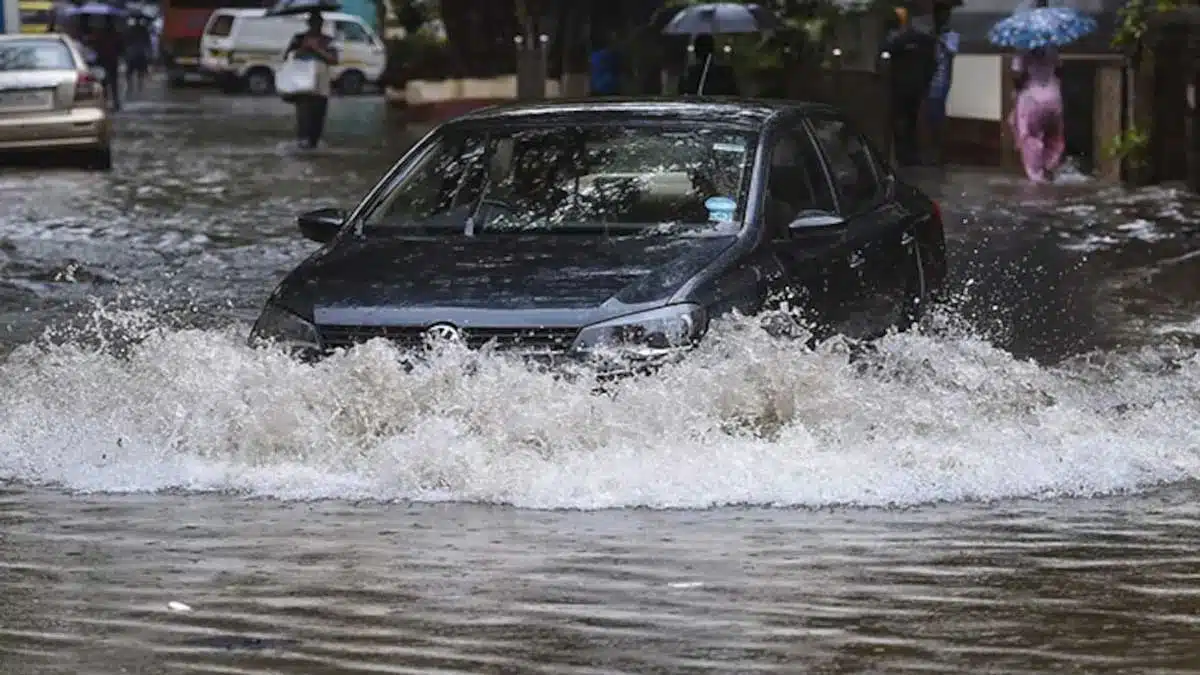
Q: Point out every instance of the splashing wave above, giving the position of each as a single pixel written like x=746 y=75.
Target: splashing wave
x=749 y=419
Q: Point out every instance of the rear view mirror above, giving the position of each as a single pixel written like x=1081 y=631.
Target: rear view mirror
x=322 y=225
x=815 y=220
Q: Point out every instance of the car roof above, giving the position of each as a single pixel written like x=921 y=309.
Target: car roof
x=723 y=111
x=17 y=37
x=262 y=13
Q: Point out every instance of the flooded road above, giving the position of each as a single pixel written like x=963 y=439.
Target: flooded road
x=1014 y=490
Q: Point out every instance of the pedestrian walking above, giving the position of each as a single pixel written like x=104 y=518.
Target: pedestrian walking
x=1037 y=114
x=1036 y=118
x=705 y=76
x=311 y=108
x=939 y=90
x=137 y=57
x=109 y=45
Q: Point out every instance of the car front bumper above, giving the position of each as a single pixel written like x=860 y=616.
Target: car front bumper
x=565 y=363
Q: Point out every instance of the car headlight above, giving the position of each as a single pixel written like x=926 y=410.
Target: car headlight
x=657 y=331
x=278 y=326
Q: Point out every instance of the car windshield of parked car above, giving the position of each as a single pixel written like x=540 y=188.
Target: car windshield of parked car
x=618 y=179
x=35 y=55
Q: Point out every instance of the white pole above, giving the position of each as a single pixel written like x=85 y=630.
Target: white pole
x=704 y=74
x=716 y=30
x=12 y=16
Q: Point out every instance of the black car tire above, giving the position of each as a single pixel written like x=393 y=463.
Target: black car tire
x=351 y=83
x=99 y=159
x=260 y=81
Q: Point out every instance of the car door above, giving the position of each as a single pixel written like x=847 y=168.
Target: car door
x=875 y=229
x=355 y=45
x=813 y=262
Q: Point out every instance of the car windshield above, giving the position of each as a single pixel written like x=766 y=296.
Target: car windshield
x=35 y=55
x=620 y=179
x=221 y=26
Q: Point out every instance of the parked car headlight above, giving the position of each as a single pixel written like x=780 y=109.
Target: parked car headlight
x=651 y=333
x=279 y=326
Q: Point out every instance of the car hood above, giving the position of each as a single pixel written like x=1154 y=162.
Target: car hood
x=547 y=279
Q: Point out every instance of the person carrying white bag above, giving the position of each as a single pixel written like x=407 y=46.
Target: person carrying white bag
x=304 y=79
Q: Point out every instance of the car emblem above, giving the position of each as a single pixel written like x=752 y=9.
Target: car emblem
x=443 y=332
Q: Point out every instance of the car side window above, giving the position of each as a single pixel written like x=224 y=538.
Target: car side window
x=850 y=165
x=796 y=180
x=348 y=31
x=443 y=185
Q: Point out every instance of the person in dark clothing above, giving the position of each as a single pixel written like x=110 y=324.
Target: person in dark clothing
x=605 y=67
x=137 y=57
x=311 y=108
x=913 y=58
x=109 y=45
x=718 y=78
x=935 y=105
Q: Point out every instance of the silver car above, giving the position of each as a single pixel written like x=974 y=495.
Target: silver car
x=50 y=100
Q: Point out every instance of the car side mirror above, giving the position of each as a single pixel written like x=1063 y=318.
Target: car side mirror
x=322 y=225
x=807 y=221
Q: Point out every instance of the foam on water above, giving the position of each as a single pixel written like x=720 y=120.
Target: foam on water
x=748 y=419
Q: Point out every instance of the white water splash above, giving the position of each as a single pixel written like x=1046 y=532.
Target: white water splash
x=747 y=419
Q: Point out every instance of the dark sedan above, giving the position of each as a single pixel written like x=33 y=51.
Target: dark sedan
x=581 y=228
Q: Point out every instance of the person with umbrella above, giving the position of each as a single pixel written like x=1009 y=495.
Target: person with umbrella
x=311 y=108
x=105 y=44
x=1036 y=118
x=706 y=76
x=703 y=21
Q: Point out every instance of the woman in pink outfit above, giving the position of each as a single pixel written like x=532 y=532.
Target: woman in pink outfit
x=1037 y=114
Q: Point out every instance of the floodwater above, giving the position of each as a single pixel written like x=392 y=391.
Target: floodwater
x=1014 y=490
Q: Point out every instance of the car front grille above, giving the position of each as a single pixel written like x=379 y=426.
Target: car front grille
x=413 y=337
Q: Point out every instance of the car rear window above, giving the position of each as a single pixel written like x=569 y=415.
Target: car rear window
x=221 y=26
x=35 y=55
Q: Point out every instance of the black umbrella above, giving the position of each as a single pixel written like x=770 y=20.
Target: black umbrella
x=291 y=7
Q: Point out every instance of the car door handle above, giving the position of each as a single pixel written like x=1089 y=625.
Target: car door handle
x=857 y=259
x=907 y=239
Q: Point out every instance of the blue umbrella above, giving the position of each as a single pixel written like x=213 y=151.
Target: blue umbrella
x=721 y=17
x=96 y=9
x=1041 y=27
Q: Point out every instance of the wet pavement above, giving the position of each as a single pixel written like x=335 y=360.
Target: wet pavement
x=1014 y=490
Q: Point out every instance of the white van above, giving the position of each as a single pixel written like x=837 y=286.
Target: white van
x=242 y=48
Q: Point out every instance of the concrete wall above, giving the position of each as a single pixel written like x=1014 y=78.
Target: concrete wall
x=419 y=92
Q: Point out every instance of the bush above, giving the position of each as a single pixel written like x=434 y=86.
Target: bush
x=422 y=57
x=418 y=57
